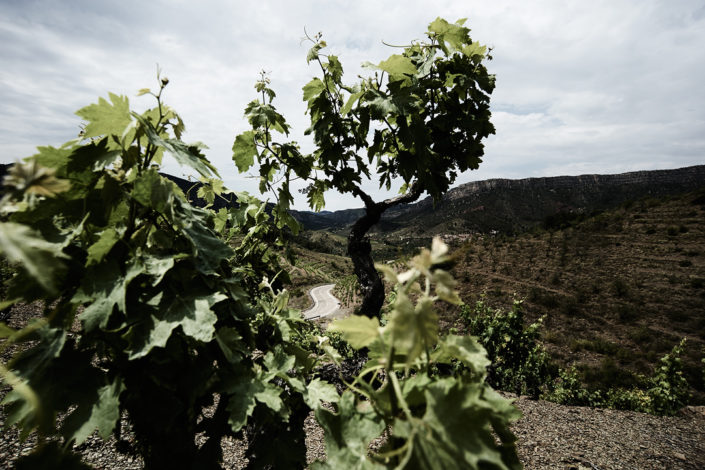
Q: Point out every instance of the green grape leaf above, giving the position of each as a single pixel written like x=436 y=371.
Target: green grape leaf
x=105 y=287
x=413 y=389
x=208 y=247
x=52 y=157
x=152 y=190
x=445 y=286
x=206 y=192
x=313 y=52
x=278 y=363
x=334 y=68
x=390 y=275
x=348 y=434
x=351 y=102
x=231 y=344
x=439 y=251
x=106 y=118
x=27 y=400
x=269 y=396
x=413 y=330
x=220 y=221
x=263 y=115
x=464 y=348
x=241 y=401
x=455 y=34
x=316 y=200
x=32 y=178
x=503 y=412
x=244 y=151
x=318 y=391
x=179 y=127
x=451 y=443
x=382 y=106
x=475 y=51
x=397 y=65
x=40 y=258
x=210 y=188
x=185 y=155
x=105 y=243
x=157 y=267
x=192 y=312
x=313 y=88
x=243 y=397
x=101 y=414
x=357 y=330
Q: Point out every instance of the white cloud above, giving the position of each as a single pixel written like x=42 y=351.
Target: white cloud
x=599 y=87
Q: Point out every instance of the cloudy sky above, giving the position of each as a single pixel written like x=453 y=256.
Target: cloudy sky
x=582 y=87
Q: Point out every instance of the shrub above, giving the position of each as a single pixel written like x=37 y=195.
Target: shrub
x=568 y=390
x=628 y=399
x=668 y=387
x=664 y=393
x=153 y=307
x=519 y=361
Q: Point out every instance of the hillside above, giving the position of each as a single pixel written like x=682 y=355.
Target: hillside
x=617 y=290
x=512 y=206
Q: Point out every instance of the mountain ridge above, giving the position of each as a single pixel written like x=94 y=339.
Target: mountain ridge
x=511 y=205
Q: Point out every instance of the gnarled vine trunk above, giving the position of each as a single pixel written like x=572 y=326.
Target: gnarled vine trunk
x=360 y=249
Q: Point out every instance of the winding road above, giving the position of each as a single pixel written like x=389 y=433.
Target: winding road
x=324 y=303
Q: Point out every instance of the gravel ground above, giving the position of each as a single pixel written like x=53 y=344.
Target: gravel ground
x=550 y=436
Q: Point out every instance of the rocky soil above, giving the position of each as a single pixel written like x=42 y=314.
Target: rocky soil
x=550 y=436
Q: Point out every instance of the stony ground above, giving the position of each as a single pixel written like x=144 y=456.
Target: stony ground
x=550 y=436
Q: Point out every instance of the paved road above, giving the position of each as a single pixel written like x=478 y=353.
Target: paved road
x=324 y=303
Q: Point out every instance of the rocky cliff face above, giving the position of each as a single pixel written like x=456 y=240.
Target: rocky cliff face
x=513 y=205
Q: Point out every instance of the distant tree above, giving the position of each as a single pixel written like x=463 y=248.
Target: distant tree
x=421 y=117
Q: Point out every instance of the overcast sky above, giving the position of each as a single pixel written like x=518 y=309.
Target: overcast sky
x=582 y=87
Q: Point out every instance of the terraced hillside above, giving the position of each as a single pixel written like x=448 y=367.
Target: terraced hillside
x=617 y=290
x=511 y=206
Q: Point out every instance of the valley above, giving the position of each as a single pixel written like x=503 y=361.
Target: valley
x=617 y=286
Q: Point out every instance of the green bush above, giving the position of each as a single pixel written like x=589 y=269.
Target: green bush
x=152 y=307
x=633 y=399
x=520 y=363
x=569 y=390
x=669 y=390
x=664 y=393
